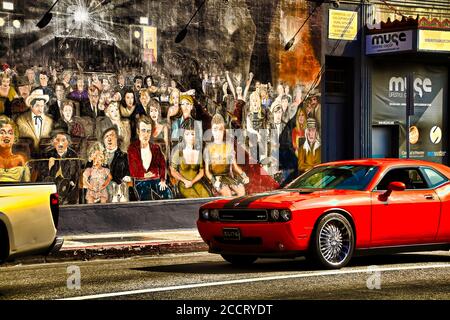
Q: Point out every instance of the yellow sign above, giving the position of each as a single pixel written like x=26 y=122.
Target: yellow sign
x=150 y=44
x=434 y=40
x=342 y=24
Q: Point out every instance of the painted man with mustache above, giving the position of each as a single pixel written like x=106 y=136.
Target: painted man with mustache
x=65 y=173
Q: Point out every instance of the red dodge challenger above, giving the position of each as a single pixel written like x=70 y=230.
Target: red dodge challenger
x=334 y=211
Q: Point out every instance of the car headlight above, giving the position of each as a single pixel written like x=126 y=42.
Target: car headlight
x=204 y=214
x=214 y=214
x=286 y=215
x=275 y=214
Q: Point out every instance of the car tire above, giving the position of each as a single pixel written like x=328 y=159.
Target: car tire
x=238 y=260
x=333 y=241
x=4 y=243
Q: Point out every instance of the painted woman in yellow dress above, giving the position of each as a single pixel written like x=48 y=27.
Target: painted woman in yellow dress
x=186 y=165
x=13 y=167
x=220 y=162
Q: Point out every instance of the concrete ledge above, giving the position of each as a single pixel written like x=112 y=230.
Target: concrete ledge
x=129 y=217
x=113 y=252
x=126 y=251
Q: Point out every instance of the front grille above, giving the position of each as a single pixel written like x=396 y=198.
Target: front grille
x=243 y=215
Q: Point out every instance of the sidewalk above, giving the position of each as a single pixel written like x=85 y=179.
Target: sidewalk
x=121 y=245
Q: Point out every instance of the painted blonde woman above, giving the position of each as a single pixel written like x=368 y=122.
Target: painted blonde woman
x=256 y=117
x=13 y=167
x=97 y=178
x=220 y=162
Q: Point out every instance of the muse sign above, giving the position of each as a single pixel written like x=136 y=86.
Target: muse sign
x=389 y=42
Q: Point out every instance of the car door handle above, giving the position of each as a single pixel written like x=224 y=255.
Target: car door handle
x=429 y=197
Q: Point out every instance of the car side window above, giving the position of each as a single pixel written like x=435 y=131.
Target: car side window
x=411 y=177
x=434 y=177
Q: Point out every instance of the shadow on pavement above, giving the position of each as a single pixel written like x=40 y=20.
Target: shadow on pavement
x=444 y=256
x=299 y=264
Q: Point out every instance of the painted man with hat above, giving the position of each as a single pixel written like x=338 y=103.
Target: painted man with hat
x=35 y=124
x=310 y=154
x=312 y=106
x=18 y=105
x=65 y=173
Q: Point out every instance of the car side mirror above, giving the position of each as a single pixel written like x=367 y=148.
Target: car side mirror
x=393 y=186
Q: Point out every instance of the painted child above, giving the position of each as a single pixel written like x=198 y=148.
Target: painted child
x=97 y=178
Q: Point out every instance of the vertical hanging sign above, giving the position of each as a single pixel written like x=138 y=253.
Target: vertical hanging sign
x=150 y=44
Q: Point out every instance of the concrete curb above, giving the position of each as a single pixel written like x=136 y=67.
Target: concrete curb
x=116 y=251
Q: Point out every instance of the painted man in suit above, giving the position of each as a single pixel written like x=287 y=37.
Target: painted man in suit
x=65 y=173
x=92 y=108
x=118 y=165
x=35 y=124
x=55 y=108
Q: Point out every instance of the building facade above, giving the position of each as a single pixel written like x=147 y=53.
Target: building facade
x=365 y=84
x=295 y=83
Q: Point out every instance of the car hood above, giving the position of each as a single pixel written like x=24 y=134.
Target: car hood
x=278 y=198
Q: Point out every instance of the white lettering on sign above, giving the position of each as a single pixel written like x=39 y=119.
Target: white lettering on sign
x=389 y=42
x=398 y=87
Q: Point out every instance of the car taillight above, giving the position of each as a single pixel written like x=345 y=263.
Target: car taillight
x=54 y=198
x=54 y=207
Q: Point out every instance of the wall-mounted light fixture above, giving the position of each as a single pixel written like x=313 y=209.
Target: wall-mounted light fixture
x=182 y=34
x=290 y=43
x=335 y=3
x=47 y=17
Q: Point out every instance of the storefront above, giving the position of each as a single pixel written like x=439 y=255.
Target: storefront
x=420 y=48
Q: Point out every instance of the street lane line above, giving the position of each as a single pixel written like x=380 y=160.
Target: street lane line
x=241 y=281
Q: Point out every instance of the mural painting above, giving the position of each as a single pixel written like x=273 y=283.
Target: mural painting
x=113 y=110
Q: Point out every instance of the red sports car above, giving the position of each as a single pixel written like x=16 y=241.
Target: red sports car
x=334 y=211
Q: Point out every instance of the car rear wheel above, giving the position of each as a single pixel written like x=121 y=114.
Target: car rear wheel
x=334 y=241
x=239 y=260
x=4 y=243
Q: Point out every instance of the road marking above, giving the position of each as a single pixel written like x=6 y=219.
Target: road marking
x=241 y=281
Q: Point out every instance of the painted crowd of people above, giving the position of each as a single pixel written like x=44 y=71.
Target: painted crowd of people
x=118 y=138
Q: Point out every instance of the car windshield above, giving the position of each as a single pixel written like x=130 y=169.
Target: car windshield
x=343 y=177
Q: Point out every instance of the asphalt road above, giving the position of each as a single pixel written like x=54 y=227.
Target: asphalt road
x=206 y=276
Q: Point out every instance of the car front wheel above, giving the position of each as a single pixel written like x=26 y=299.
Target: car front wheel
x=334 y=241
x=239 y=260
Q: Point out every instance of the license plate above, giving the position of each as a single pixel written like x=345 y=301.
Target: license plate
x=231 y=234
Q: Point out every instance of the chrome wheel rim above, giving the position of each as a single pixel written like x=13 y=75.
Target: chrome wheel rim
x=335 y=241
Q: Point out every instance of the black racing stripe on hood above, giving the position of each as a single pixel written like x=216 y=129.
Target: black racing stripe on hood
x=244 y=202
x=230 y=204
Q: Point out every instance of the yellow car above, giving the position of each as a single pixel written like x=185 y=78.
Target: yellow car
x=28 y=219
